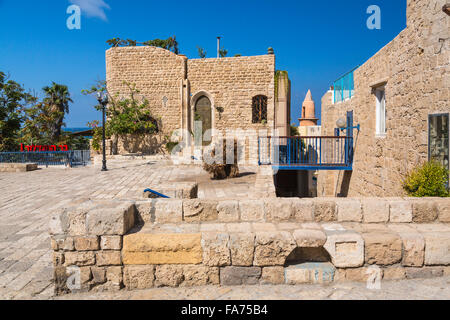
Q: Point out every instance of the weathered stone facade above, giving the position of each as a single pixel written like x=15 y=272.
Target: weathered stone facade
x=173 y=84
x=415 y=70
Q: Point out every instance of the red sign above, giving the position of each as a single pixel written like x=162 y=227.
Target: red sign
x=38 y=148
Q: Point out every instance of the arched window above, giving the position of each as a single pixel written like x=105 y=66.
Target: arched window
x=259 y=109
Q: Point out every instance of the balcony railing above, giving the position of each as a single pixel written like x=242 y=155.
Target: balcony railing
x=344 y=87
x=306 y=153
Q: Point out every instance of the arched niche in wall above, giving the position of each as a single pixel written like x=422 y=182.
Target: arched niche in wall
x=202 y=109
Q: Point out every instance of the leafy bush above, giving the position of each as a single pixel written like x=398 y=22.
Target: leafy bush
x=170 y=146
x=428 y=180
x=125 y=115
x=293 y=131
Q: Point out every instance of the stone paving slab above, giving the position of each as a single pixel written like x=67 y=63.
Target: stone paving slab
x=428 y=289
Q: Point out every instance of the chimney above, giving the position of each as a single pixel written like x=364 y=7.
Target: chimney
x=218 y=46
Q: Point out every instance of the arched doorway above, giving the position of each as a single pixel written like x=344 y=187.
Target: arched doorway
x=203 y=113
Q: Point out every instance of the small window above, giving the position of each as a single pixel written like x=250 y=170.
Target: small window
x=438 y=132
x=259 y=109
x=381 y=112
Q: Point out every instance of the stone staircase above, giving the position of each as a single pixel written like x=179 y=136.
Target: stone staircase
x=194 y=242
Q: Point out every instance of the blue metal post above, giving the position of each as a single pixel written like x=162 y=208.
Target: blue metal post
x=320 y=148
x=288 y=160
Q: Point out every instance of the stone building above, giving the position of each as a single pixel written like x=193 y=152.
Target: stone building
x=244 y=93
x=401 y=99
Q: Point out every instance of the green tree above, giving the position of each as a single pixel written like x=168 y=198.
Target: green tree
x=201 y=52
x=57 y=97
x=170 y=43
x=38 y=123
x=125 y=115
x=13 y=100
x=223 y=52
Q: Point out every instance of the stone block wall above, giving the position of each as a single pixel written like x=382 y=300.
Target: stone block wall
x=139 y=143
x=109 y=245
x=86 y=239
x=156 y=72
x=233 y=82
x=416 y=68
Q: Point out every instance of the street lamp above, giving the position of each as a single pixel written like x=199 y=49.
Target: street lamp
x=102 y=99
x=341 y=123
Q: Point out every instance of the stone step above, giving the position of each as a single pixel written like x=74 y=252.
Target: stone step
x=18 y=167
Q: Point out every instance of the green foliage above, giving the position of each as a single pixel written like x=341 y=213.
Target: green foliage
x=97 y=135
x=201 y=52
x=125 y=115
x=25 y=119
x=39 y=124
x=238 y=55
x=43 y=120
x=170 y=43
x=13 y=101
x=278 y=74
x=75 y=142
x=293 y=131
x=57 y=99
x=223 y=53
x=427 y=180
x=117 y=42
x=170 y=146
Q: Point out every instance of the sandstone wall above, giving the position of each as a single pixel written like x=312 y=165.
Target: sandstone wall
x=416 y=66
x=157 y=73
x=233 y=82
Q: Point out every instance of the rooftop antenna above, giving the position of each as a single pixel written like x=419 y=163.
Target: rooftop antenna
x=218 y=46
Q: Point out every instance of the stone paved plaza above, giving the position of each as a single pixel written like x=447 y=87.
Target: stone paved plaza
x=28 y=198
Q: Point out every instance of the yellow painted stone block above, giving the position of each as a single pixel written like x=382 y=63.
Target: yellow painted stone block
x=157 y=249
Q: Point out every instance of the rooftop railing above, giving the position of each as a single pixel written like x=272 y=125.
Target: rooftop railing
x=344 y=87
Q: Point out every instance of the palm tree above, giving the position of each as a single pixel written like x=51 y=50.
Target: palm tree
x=58 y=98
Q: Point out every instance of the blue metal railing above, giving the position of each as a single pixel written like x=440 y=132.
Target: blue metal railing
x=156 y=194
x=344 y=87
x=48 y=158
x=306 y=153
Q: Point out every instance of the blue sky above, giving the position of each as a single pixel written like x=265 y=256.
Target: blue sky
x=315 y=41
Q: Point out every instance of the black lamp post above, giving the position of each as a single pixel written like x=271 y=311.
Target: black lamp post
x=103 y=100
